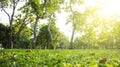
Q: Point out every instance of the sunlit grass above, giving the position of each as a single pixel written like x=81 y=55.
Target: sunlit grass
x=60 y=58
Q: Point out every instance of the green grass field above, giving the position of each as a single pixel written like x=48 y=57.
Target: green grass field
x=59 y=58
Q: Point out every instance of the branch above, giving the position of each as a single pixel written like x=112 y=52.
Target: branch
x=14 y=7
x=22 y=26
x=71 y=7
x=43 y=8
x=73 y=15
x=45 y=2
x=6 y=13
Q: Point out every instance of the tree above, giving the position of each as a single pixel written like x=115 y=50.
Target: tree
x=64 y=42
x=115 y=34
x=41 y=10
x=24 y=38
x=49 y=8
x=79 y=43
x=50 y=33
x=43 y=39
x=76 y=18
x=4 y=4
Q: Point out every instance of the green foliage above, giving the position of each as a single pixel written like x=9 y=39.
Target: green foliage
x=42 y=8
x=64 y=42
x=53 y=5
x=77 y=20
x=25 y=33
x=43 y=39
x=58 y=58
x=94 y=31
x=100 y=33
x=36 y=7
x=79 y=43
x=23 y=39
x=8 y=3
x=97 y=31
x=3 y=3
x=4 y=35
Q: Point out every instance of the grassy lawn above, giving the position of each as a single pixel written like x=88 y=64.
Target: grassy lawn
x=59 y=58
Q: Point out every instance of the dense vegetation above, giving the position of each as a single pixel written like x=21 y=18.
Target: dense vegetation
x=59 y=58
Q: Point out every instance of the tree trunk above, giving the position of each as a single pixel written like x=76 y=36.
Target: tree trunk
x=73 y=31
x=34 y=32
x=51 y=37
x=11 y=38
x=11 y=21
x=72 y=38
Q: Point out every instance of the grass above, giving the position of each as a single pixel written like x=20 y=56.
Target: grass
x=59 y=58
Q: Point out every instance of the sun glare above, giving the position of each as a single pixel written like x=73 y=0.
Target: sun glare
x=107 y=8
x=90 y=3
x=110 y=8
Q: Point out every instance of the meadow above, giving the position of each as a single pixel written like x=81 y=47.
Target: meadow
x=59 y=58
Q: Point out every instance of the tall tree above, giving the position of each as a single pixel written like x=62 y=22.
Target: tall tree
x=4 y=4
x=44 y=41
x=51 y=36
x=50 y=8
x=41 y=9
x=76 y=18
x=38 y=12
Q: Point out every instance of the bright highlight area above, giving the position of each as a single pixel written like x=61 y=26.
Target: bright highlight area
x=110 y=7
